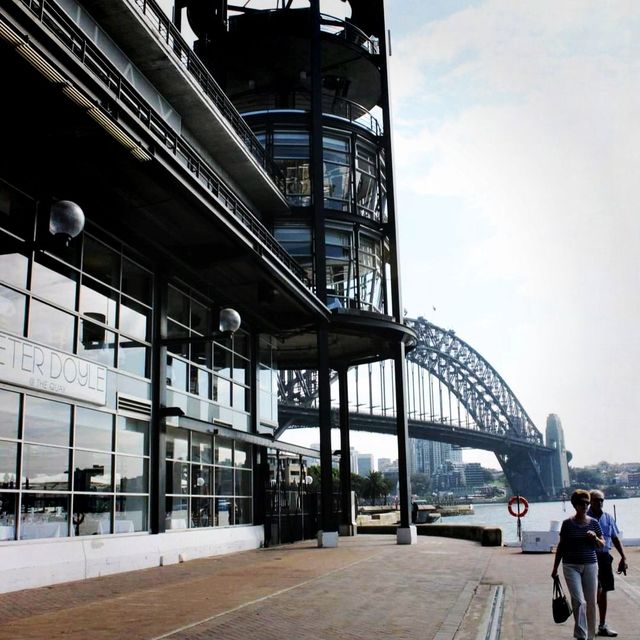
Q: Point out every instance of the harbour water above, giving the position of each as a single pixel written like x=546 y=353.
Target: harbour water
x=541 y=514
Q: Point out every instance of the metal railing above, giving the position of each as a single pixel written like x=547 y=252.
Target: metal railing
x=87 y=53
x=301 y=101
x=188 y=60
x=349 y=32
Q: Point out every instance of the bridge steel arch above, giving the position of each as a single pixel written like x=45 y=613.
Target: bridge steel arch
x=499 y=423
x=491 y=404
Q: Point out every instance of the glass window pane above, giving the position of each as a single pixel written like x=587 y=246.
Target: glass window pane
x=101 y=262
x=177 y=477
x=177 y=513
x=202 y=480
x=45 y=468
x=199 y=382
x=202 y=512
x=44 y=516
x=224 y=481
x=135 y=318
x=8 y=503
x=17 y=212
x=223 y=451
x=97 y=344
x=176 y=373
x=91 y=514
x=131 y=475
x=11 y=310
x=13 y=267
x=92 y=471
x=222 y=360
x=137 y=282
x=98 y=302
x=8 y=465
x=9 y=413
x=178 y=306
x=177 y=444
x=94 y=429
x=242 y=344
x=241 y=370
x=132 y=436
x=240 y=398
x=223 y=512
x=244 y=482
x=47 y=421
x=221 y=391
x=51 y=326
x=243 y=455
x=243 y=511
x=54 y=282
x=132 y=357
x=132 y=514
x=201 y=448
x=200 y=318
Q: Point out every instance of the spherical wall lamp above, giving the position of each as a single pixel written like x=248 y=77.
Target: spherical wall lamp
x=66 y=220
x=230 y=321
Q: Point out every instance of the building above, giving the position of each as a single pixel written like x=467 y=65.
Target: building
x=474 y=474
x=428 y=456
x=178 y=227
x=554 y=437
x=365 y=464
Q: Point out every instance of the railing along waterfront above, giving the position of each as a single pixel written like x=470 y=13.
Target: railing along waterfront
x=95 y=62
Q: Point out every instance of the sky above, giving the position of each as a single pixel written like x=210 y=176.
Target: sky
x=517 y=166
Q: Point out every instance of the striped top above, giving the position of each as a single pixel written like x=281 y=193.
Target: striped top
x=577 y=548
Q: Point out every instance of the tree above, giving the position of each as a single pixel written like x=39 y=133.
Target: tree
x=421 y=484
x=314 y=472
x=376 y=485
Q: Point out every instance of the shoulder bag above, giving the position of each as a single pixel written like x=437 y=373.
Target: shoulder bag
x=560 y=605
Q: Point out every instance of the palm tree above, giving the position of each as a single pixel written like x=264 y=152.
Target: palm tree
x=377 y=485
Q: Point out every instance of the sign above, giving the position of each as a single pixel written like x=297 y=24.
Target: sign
x=38 y=367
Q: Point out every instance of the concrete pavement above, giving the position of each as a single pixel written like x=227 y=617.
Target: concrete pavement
x=367 y=588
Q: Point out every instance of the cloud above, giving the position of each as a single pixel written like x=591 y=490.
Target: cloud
x=516 y=152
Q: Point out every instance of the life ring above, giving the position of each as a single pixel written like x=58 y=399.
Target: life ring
x=523 y=502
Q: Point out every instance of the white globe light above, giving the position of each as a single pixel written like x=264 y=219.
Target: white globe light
x=229 y=320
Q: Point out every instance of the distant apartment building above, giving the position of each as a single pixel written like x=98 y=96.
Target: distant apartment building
x=474 y=474
x=365 y=464
x=427 y=456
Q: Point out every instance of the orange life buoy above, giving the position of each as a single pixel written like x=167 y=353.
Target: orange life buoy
x=523 y=502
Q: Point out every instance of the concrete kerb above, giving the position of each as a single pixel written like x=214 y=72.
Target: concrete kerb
x=486 y=536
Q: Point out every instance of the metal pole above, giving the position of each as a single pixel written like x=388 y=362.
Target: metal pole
x=346 y=523
x=402 y=435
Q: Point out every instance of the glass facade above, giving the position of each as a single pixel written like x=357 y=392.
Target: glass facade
x=209 y=381
x=354 y=199
x=67 y=470
x=209 y=480
x=74 y=468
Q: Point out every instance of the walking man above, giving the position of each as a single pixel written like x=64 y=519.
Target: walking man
x=610 y=533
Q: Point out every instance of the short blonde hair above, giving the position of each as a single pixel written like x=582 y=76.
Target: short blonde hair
x=596 y=493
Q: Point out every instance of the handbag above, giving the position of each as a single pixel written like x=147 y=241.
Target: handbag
x=559 y=605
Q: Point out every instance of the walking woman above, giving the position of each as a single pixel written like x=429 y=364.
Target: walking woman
x=579 y=537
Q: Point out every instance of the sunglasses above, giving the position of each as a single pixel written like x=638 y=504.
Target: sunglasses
x=584 y=503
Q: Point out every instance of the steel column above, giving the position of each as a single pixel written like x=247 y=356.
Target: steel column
x=345 y=455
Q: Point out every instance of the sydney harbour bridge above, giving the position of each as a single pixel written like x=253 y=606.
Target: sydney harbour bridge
x=453 y=395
